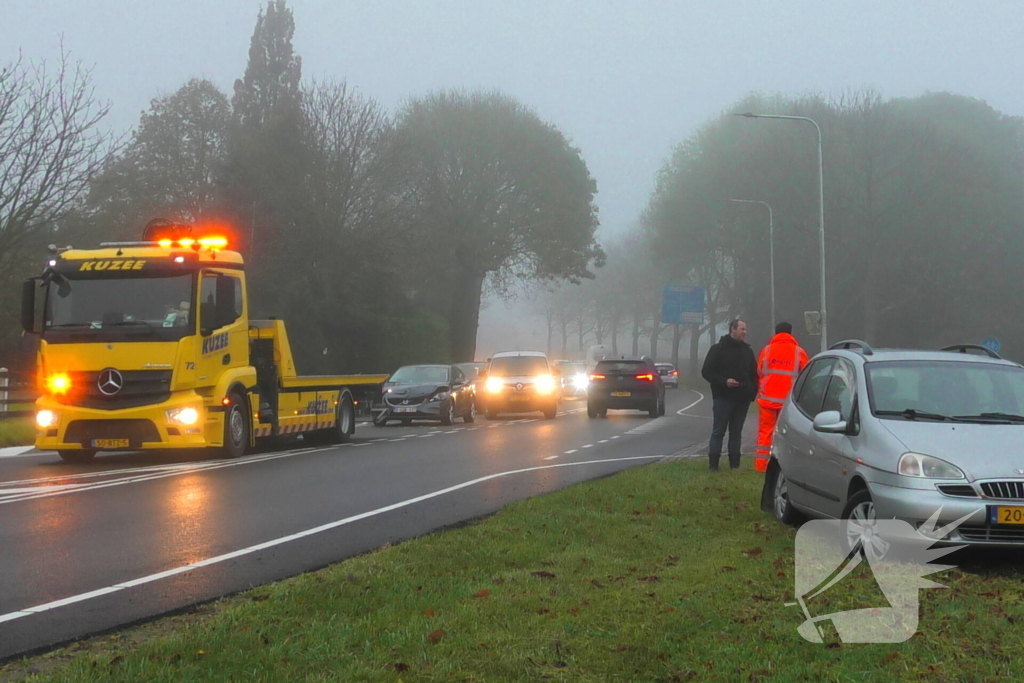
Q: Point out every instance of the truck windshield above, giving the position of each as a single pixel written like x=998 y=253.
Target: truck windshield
x=120 y=309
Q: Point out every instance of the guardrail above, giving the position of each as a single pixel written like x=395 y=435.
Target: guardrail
x=14 y=391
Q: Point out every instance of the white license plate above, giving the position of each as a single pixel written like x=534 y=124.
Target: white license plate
x=405 y=409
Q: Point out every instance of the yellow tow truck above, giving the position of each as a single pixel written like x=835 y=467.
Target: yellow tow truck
x=148 y=345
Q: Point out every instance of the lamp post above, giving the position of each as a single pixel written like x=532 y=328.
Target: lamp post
x=771 y=246
x=821 y=211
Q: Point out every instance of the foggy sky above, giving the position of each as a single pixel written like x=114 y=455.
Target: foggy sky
x=625 y=81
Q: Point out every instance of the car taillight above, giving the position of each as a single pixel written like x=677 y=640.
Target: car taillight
x=596 y=376
x=675 y=372
x=648 y=377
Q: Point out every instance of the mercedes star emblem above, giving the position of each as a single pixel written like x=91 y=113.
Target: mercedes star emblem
x=110 y=382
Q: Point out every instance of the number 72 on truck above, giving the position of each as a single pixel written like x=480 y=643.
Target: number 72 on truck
x=149 y=346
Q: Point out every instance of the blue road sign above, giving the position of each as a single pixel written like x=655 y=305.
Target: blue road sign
x=992 y=344
x=682 y=305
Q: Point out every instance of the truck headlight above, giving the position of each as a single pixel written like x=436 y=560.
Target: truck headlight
x=927 y=467
x=183 y=416
x=46 y=418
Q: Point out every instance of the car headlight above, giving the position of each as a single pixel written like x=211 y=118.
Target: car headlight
x=494 y=384
x=580 y=381
x=46 y=418
x=544 y=384
x=927 y=467
x=440 y=396
x=183 y=416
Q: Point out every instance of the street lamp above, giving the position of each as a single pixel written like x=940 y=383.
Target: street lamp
x=821 y=212
x=771 y=246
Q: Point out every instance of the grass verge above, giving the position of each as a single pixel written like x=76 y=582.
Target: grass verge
x=661 y=573
x=18 y=431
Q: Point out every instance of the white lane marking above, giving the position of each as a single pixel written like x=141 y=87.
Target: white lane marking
x=14 y=451
x=82 y=597
x=589 y=445
x=454 y=431
x=551 y=457
x=396 y=440
x=214 y=465
x=522 y=422
x=603 y=441
x=571 y=452
x=357 y=445
x=616 y=436
x=681 y=411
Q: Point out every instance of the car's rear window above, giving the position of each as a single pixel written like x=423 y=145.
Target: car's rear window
x=517 y=366
x=621 y=366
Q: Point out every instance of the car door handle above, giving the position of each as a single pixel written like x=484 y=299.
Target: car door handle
x=226 y=359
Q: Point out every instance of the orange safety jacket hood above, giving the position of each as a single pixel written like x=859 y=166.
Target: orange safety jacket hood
x=777 y=368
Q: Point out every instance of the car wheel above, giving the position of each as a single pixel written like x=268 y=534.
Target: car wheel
x=406 y=422
x=448 y=413
x=76 y=457
x=782 y=508
x=471 y=415
x=653 y=410
x=551 y=411
x=236 y=428
x=661 y=407
x=603 y=412
x=860 y=526
x=591 y=411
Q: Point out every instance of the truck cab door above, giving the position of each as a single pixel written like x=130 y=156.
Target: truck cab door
x=223 y=326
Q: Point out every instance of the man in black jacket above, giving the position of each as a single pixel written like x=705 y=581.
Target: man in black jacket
x=731 y=369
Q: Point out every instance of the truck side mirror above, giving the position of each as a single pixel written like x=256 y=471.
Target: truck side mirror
x=28 y=306
x=207 y=318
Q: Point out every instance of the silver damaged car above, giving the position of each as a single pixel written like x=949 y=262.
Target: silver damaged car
x=872 y=434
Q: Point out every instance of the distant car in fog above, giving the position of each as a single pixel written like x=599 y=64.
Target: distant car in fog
x=573 y=378
x=669 y=375
x=427 y=392
x=521 y=382
x=625 y=383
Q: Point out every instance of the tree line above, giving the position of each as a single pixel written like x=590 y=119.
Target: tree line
x=924 y=205
x=375 y=234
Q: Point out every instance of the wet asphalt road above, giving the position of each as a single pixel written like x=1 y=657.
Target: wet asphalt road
x=86 y=548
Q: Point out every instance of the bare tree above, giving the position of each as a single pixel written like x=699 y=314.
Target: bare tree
x=50 y=146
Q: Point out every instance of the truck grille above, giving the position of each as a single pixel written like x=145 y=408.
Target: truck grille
x=1003 y=489
x=141 y=387
x=137 y=432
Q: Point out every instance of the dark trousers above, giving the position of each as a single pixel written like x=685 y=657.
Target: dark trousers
x=728 y=415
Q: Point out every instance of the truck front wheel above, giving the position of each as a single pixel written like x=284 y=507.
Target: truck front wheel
x=76 y=456
x=236 y=428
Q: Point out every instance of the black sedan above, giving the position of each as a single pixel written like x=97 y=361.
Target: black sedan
x=626 y=383
x=426 y=392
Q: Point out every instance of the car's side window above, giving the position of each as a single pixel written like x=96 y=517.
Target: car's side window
x=812 y=390
x=457 y=375
x=842 y=389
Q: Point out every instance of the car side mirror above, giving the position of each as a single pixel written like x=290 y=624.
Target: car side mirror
x=830 y=422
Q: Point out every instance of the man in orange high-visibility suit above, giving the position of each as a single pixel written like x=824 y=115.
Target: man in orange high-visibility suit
x=777 y=367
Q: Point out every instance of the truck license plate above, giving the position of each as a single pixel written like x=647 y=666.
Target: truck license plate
x=110 y=443
x=621 y=393
x=1003 y=514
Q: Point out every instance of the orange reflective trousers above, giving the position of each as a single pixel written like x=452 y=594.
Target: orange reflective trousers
x=768 y=417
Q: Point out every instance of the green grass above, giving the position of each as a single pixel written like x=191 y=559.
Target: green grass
x=661 y=573
x=17 y=431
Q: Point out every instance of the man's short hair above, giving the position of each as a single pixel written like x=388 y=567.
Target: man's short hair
x=734 y=323
x=784 y=328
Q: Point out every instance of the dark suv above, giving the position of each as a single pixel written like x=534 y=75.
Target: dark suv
x=627 y=383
